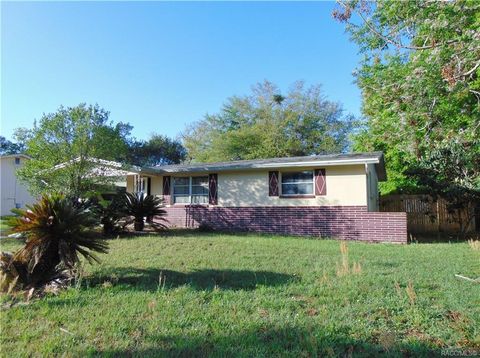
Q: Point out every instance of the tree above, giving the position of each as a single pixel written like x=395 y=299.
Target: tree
x=419 y=79
x=158 y=150
x=452 y=171
x=71 y=137
x=8 y=147
x=268 y=124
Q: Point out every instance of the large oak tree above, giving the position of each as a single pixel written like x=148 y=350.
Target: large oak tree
x=267 y=123
x=157 y=150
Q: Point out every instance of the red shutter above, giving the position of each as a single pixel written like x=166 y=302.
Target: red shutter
x=149 y=186
x=166 y=190
x=212 y=189
x=273 y=183
x=320 y=182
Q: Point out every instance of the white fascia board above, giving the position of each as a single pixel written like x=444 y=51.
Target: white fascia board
x=318 y=163
x=315 y=163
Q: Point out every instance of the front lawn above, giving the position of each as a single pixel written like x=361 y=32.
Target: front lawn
x=3 y=226
x=196 y=294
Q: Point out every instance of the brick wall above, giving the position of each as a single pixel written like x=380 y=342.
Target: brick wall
x=342 y=222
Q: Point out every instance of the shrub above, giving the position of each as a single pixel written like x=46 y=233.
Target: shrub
x=57 y=230
x=112 y=213
x=141 y=206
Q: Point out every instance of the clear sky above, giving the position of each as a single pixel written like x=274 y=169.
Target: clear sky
x=162 y=65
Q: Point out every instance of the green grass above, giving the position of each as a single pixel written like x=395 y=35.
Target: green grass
x=197 y=294
x=3 y=226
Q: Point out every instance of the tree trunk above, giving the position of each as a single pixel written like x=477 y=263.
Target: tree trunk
x=138 y=225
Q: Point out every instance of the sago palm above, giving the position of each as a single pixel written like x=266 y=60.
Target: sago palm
x=142 y=206
x=112 y=214
x=57 y=230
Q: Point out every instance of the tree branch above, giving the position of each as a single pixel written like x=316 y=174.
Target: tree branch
x=385 y=38
x=470 y=71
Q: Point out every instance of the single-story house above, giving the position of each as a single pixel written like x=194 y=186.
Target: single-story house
x=324 y=196
x=13 y=193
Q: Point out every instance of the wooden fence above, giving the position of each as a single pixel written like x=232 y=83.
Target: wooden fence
x=425 y=215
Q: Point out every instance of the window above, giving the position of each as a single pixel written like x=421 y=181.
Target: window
x=297 y=183
x=192 y=190
x=199 y=190
x=17 y=161
x=140 y=185
x=18 y=206
x=181 y=190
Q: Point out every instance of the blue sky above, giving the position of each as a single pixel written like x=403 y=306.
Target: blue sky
x=162 y=65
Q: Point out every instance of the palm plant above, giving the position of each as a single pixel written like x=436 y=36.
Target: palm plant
x=112 y=214
x=141 y=206
x=57 y=230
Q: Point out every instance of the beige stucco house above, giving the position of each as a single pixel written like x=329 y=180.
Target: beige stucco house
x=325 y=195
x=352 y=180
x=14 y=194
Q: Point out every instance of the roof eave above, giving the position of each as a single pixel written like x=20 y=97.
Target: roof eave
x=15 y=155
x=377 y=160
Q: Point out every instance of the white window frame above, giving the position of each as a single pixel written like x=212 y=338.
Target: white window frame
x=140 y=185
x=190 y=191
x=299 y=182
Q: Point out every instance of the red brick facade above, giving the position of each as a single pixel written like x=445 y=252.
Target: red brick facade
x=342 y=222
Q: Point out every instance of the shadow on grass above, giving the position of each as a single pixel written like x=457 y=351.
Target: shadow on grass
x=274 y=342
x=439 y=238
x=208 y=279
x=162 y=234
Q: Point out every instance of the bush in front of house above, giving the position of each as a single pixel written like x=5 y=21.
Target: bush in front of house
x=113 y=216
x=140 y=206
x=57 y=231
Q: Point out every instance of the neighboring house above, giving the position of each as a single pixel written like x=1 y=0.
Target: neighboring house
x=116 y=171
x=325 y=195
x=14 y=194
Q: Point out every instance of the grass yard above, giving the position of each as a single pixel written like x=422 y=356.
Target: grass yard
x=3 y=226
x=197 y=294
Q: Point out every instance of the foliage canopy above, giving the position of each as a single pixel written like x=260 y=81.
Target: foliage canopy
x=9 y=147
x=419 y=80
x=157 y=150
x=268 y=124
x=71 y=136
